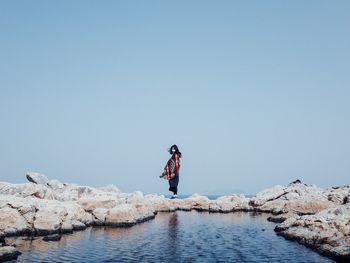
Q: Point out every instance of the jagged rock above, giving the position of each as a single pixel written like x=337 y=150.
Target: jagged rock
x=8 y=253
x=159 y=203
x=296 y=198
x=297 y=181
x=31 y=215
x=196 y=202
x=37 y=178
x=109 y=188
x=54 y=237
x=267 y=195
x=12 y=222
x=225 y=204
x=90 y=204
x=55 y=216
x=128 y=215
x=73 y=192
x=48 y=220
x=144 y=212
x=339 y=194
x=99 y=216
x=27 y=190
x=327 y=231
x=55 y=184
x=76 y=213
x=134 y=197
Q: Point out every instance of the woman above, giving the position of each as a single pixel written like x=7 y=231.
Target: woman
x=172 y=168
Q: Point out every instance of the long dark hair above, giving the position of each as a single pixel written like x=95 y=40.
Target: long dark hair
x=174 y=147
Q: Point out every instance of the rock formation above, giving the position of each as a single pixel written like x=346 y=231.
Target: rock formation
x=318 y=218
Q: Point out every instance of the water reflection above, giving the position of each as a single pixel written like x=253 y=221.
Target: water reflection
x=174 y=237
x=173 y=234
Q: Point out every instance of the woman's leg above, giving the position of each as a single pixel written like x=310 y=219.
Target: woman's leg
x=173 y=183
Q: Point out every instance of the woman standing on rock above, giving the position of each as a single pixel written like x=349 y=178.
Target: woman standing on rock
x=171 y=170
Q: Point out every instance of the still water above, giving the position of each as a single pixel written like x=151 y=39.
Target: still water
x=175 y=237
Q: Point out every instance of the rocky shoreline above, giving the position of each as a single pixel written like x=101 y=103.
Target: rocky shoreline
x=318 y=218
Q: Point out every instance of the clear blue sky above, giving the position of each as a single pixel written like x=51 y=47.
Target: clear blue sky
x=255 y=93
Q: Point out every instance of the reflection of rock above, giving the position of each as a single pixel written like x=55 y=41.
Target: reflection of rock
x=54 y=237
x=280 y=217
x=8 y=253
x=313 y=216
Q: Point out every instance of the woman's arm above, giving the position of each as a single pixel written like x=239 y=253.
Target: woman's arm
x=177 y=164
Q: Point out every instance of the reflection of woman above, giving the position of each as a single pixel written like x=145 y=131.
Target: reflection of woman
x=173 y=226
x=172 y=168
x=172 y=233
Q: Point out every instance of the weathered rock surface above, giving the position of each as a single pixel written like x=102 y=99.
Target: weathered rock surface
x=297 y=197
x=338 y=194
x=33 y=216
x=225 y=204
x=328 y=231
x=37 y=178
x=128 y=215
x=28 y=190
x=195 y=202
x=55 y=184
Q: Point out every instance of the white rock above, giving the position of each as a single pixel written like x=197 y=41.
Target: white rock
x=109 y=188
x=49 y=219
x=12 y=222
x=326 y=231
x=128 y=214
x=297 y=198
x=230 y=203
x=121 y=215
x=196 y=202
x=55 y=184
x=268 y=195
x=340 y=195
x=100 y=215
x=37 y=178
x=27 y=190
x=90 y=204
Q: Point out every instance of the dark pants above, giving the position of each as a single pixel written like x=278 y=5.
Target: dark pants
x=173 y=184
